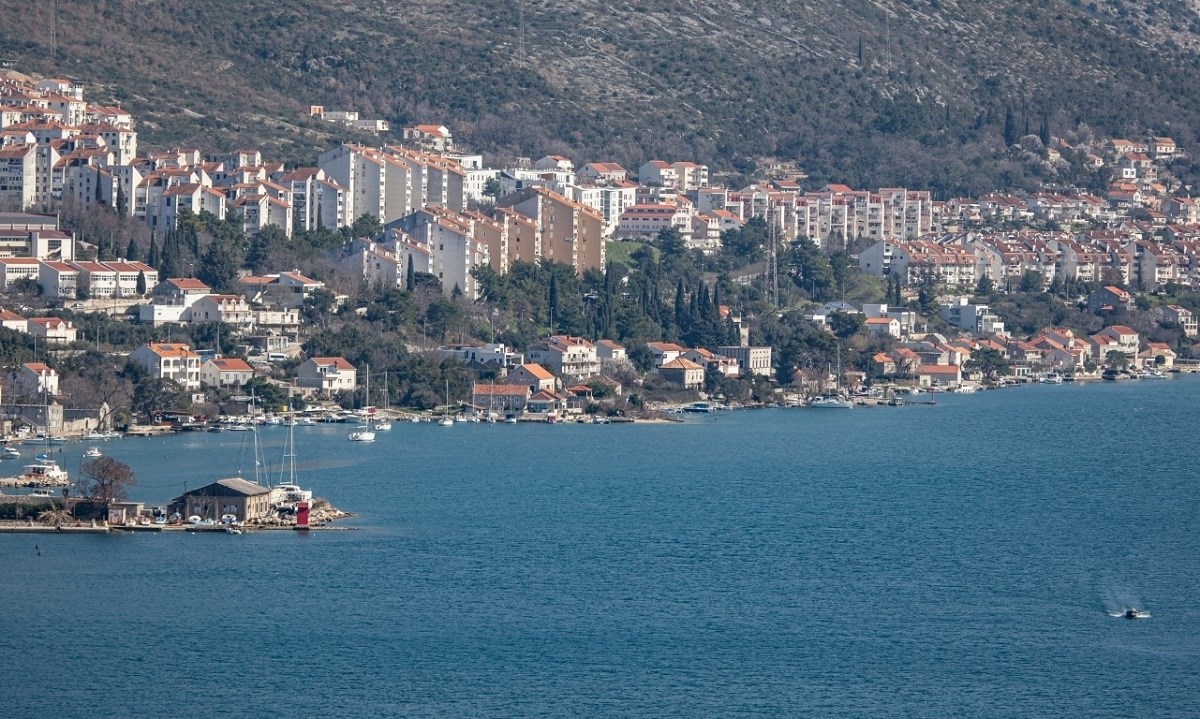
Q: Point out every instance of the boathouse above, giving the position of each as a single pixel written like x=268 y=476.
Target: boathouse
x=245 y=500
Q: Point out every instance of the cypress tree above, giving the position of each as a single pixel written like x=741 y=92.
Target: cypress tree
x=1010 y=127
x=679 y=303
x=152 y=255
x=131 y=251
x=410 y=278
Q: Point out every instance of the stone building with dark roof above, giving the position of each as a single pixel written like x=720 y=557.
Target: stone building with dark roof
x=234 y=495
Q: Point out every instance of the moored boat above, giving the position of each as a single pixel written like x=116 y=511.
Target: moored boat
x=45 y=472
x=831 y=402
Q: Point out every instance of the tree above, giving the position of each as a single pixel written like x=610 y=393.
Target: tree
x=317 y=306
x=131 y=249
x=152 y=255
x=141 y=284
x=1010 y=127
x=56 y=517
x=491 y=188
x=367 y=225
x=153 y=395
x=219 y=266
x=266 y=248
x=122 y=203
x=1032 y=281
x=670 y=241
x=989 y=361
x=845 y=325
x=1117 y=359
x=108 y=479
x=985 y=287
x=409 y=277
x=747 y=243
x=265 y=394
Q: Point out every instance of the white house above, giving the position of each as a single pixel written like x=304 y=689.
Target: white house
x=228 y=309
x=172 y=361
x=32 y=379
x=327 y=374
x=54 y=330
x=572 y=358
x=225 y=372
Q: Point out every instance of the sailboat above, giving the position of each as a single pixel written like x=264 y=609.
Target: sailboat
x=447 y=421
x=835 y=399
x=286 y=493
x=365 y=432
x=385 y=424
x=44 y=472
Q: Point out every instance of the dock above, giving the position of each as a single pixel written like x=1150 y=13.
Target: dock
x=22 y=528
x=147 y=430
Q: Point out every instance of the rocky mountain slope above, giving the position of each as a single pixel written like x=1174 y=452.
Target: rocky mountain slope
x=867 y=92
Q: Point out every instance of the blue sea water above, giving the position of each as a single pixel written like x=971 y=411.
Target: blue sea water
x=947 y=561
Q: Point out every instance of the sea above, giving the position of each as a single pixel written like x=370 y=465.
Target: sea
x=955 y=560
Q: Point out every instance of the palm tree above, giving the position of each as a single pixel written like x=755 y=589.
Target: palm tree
x=57 y=516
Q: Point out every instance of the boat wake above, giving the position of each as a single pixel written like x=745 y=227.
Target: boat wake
x=1122 y=603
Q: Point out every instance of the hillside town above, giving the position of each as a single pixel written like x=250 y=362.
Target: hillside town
x=422 y=215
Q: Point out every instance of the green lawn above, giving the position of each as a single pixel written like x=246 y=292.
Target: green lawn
x=620 y=250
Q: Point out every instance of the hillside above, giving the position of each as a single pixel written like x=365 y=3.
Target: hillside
x=870 y=93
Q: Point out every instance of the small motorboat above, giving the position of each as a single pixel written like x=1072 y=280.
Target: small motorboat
x=1130 y=613
x=92 y=453
x=10 y=453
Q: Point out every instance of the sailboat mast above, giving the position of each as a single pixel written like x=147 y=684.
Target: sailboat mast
x=254 y=431
x=291 y=443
